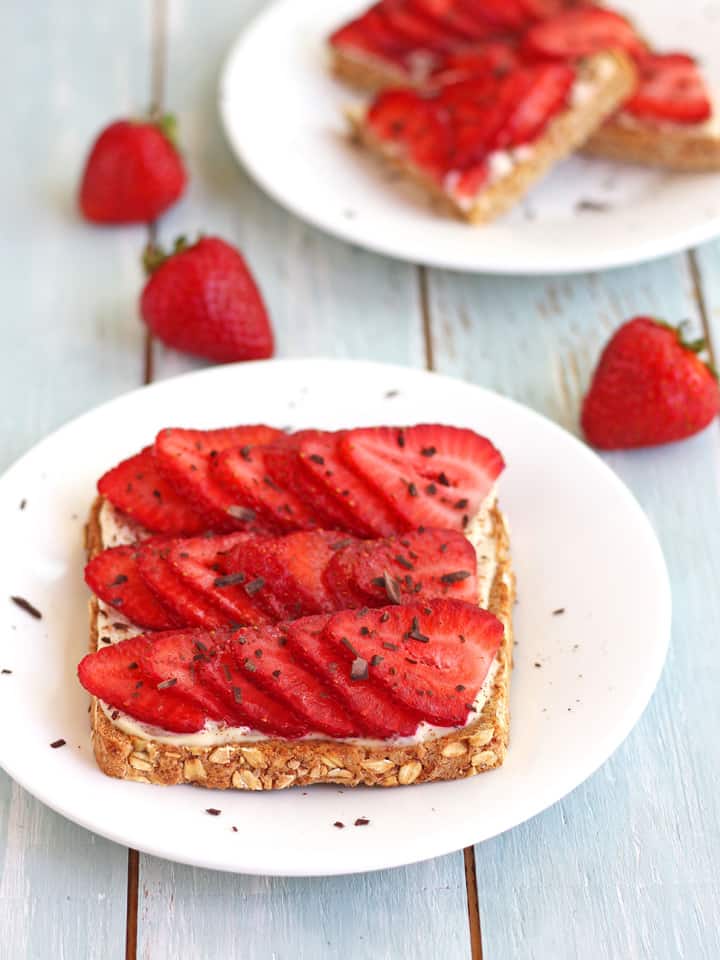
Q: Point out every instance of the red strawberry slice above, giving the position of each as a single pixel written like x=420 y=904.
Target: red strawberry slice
x=245 y=474
x=283 y=464
x=253 y=708
x=431 y=474
x=432 y=657
x=581 y=33
x=380 y=714
x=544 y=9
x=543 y=92
x=420 y=565
x=505 y=14
x=137 y=487
x=466 y=22
x=113 y=576
x=670 y=88
x=419 y=31
x=291 y=569
x=416 y=124
x=369 y=514
x=263 y=655
x=480 y=107
x=203 y=563
x=185 y=457
x=113 y=674
x=489 y=60
x=371 y=33
x=188 y=604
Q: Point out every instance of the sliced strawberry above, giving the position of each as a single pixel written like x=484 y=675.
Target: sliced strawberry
x=244 y=474
x=369 y=514
x=421 y=565
x=114 y=675
x=581 y=33
x=504 y=14
x=371 y=33
x=432 y=657
x=379 y=714
x=404 y=118
x=203 y=563
x=113 y=576
x=466 y=23
x=291 y=569
x=263 y=655
x=672 y=88
x=492 y=59
x=185 y=457
x=471 y=180
x=431 y=474
x=251 y=705
x=417 y=29
x=188 y=604
x=137 y=487
x=543 y=92
x=283 y=464
x=544 y=9
x=480 y=108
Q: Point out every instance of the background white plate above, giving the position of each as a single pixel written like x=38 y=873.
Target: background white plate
x=282 y=113
x=579 y=541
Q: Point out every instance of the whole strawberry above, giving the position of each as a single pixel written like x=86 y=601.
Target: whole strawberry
x=202 y=299
x=649 y=387
x=132 y=174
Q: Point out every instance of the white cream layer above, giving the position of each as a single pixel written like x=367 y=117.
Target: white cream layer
x=113 y=627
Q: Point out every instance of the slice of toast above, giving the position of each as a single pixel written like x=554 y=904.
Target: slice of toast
x=275 y=764
x=694 y=148
x=604 y=81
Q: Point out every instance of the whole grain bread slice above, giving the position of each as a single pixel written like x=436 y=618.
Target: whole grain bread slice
x=275 y=764
x=694 y=149
x=607 y=78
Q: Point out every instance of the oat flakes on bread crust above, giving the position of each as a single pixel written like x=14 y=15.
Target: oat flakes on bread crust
x=612 y=74
x=276 y=764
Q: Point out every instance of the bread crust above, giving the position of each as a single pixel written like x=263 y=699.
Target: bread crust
x=614 y=76
x=693 y=150
x=277 y=764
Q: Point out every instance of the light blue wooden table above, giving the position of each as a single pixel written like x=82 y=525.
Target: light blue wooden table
x=628 y=865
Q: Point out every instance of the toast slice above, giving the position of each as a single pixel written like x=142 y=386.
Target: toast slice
x=275 y=764
x=603 y=82
x=693 y=148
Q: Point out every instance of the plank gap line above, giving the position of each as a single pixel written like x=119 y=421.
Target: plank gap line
x=426 y=319
x=158 y=64
x=476 y=947
x=699 y=297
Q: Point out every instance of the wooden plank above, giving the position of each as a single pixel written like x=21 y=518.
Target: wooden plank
x=626 y=866
x=705 y=264
x=70 y=340
x=324 y=298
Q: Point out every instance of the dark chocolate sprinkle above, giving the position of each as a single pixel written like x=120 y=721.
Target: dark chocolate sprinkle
x=442 y=479
x=133 y=665
x=341 y=544
x=120 y=578
x=249 y=665
x=346 y=643
x=459 y=688
x=234 y=829
x=226 y=671
x=213 y=811
x=316 y=458
x=254 y=586
x=455 y=577
x=365 y=631
x=229 y=580
x=5 y=671
x=431 y=489
x=23 y=503
x=404 y=562
x=245 y=452
x=167 y=683
x=401 y=439
x=58 y=743
x=415 y=634
x=461 y=504
x=237 y=694
x=412 y=489
x=362 y=822
x=376 y=660
x=258 y=653
x=389 y=646
x=276 y=673
x=27 y=607
x=391 y=393
x=556 y=613
x=339 y=824
x=428 y=451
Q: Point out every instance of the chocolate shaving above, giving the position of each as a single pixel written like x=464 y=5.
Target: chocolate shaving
x=556 y=613
x=431 y=489
x=133 y=665
x=58 y=743
x=592 y=206
x=364 y=631
x=341 y=544
x=460 y=504
x=401 y=439
x=339 y=824
x=404 y=562
x=442 y=479
x=120 y=578
x=234 y=829
x=226 y=671
x=316 y=458
x=27 y=607
x=362 y=822
x=229 y=580
x=428 y=451
x=5 y=671
x=389 y=646
x=459 y=688
x=237 y=694
x=455 y=577
x=412 y=489
x=23 y=503
x=415 y=634
x=213 y=811
x=359 y=669
x=245 y=452
x=249 y=665
x=254 y=585
x=276 y=673
x=167 y=683
x=241 y=513
x=346 y=643
x=376 y=660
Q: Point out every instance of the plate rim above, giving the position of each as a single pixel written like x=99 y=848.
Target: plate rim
x=652 y=248
x=439 y=847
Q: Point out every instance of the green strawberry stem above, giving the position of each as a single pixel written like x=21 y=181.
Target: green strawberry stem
x=154 y=255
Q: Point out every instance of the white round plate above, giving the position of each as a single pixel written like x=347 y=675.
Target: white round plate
x=283 y=115
x=580 y=542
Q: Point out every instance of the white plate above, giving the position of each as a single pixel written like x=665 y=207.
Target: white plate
x=282 y=113
x=579 y=540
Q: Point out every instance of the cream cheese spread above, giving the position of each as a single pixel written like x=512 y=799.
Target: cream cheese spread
x=112 y=627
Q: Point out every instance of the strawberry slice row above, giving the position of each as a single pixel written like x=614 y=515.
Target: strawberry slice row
x=371 y=482
x=371 y=673
x=242 y=579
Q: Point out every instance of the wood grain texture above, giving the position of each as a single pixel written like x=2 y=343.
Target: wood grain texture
x=626 y=866
x=327 y=298
x=706 y=263
x=69 y=340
